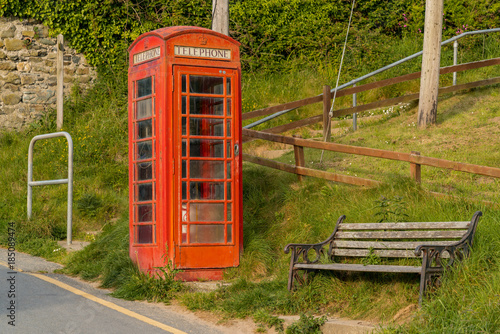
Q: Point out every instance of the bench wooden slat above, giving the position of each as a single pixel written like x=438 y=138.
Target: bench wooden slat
x=350 y=252
x=406 y=226
x=360 y=267
x=387 y=244
x=400 y=235
x=398 y=253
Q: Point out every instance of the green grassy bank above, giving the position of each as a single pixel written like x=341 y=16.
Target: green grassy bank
x=277 y=209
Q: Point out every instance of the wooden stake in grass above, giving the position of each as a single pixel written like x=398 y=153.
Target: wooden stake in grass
x=60 y=80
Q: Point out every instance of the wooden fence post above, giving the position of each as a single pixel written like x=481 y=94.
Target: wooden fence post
x=355 y=115
x=327 y=129
x=299 y=156
x=60 y=82
x=415 y=170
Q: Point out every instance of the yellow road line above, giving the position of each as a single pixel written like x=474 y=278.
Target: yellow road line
x=6 y=265
x=104 y=302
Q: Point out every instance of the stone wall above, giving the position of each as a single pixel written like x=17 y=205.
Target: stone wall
x=28 y=72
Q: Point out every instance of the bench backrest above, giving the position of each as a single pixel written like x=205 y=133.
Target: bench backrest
x=397 y=240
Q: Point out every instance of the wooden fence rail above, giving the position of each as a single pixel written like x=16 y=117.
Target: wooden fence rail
x=414 y=158
x=373 y=105
x=369 y=86
x=299 y=170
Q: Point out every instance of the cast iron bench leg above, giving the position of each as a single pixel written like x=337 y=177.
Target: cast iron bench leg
x=423 y=278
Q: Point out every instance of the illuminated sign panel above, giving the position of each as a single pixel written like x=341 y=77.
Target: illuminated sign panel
x=190 y=51
x=146 y=55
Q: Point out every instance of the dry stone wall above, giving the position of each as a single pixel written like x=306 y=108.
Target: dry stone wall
x=28 y=72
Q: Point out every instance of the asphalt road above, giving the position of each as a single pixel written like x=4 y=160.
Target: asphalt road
x=34 y=300
x=50 y=303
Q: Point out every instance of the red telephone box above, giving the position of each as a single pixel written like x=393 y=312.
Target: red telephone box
x=185 y=180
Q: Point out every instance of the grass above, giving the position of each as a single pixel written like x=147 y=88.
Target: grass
x=462 y=139
x=465 y=122
x=277 y=209
x=307 y=215
x=268 y=89
x=94 y=120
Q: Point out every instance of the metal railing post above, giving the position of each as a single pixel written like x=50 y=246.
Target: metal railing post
x=69 y=219
x=455 y=54
x=69 y=180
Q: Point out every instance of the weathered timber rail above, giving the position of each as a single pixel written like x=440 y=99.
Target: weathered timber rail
x=310 y=172
x=414 y=158
x=372 y=105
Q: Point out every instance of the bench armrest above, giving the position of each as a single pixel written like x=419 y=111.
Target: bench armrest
x=303 y=250
x=433 y=255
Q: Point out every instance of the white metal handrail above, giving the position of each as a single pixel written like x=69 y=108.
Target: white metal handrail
x=68 y=181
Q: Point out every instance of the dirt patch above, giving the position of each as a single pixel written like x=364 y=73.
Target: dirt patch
x=364 y=120
x=405 y=315
x=273 y=154
x=485 y=180
x=495 y=120
x=243 y=326
x=76 y=245
x=261 y=150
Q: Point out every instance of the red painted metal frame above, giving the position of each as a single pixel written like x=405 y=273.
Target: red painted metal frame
x=197 y=260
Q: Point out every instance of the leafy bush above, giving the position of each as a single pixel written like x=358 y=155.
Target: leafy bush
x=270 y=31
x=307 y=324
x=267 y=320
x=158 y=287
x=88 y=204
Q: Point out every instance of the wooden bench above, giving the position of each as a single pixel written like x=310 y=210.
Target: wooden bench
x=439 y=245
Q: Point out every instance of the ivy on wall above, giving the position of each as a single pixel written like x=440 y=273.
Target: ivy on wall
x=270 y=31
x=103 y=29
